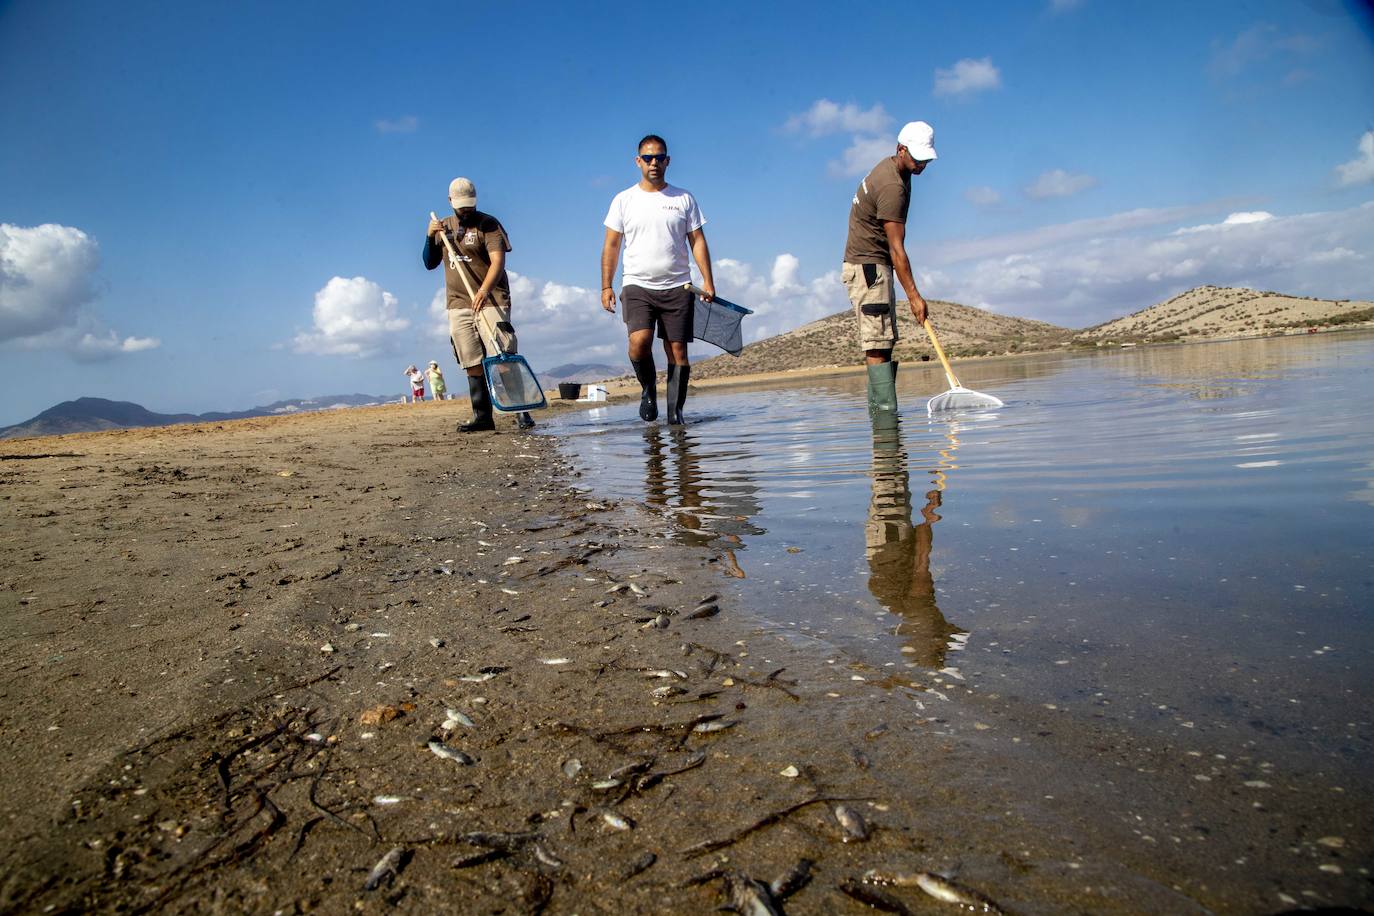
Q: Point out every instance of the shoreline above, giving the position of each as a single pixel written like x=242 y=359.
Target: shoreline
x=231 y=644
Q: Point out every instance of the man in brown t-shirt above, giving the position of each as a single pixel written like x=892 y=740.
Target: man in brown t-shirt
x=876 y=248
x=475 y=327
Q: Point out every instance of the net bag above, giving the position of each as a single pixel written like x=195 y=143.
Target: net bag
x=719 y=322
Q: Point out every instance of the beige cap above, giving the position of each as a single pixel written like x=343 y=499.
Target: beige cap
x=462 y=193
x=919 y=138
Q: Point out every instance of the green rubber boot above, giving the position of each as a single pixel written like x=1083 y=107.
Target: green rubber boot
x=882 y=388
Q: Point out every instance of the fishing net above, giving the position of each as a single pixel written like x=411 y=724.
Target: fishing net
x=958 y=398
x=512 y=383
x=720 y=323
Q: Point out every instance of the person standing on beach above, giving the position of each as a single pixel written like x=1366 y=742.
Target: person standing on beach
x=656 y=224
x=481 y=243
x=417 y=384
x=876 y=249
x=437 y=386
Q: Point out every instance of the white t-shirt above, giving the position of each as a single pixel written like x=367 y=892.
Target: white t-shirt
x=655 y=225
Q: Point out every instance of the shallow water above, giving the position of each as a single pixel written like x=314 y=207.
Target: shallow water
x=1170 y=540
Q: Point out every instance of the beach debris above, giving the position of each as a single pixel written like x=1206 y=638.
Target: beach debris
x=859 y=758
x=388 y=867
x=544 y=856
x=601 y=785
x=436 y=642
x=701 y=612
x=790 y=772
x=386 y=799
x=383 y=713
x=511 y=561
x=617 y=821
x=510 y=591
x=327 y=648
x=876 y=731
x=667 y=690
x=571 y=767
x=440 y=749
x=456 y=718
x=352 y=627
x=792 y=880
x=641 y=863
x=871 y=896
x=852 y=823
x=937 y=886
x=556 y=661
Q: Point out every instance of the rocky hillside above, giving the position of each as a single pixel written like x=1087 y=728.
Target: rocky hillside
x=832 y=341
x=1218 y=311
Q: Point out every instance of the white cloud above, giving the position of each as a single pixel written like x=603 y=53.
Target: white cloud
x=352 y=318
x=1235 y=219
x=406 y=124
x=826 y=117
x=1059 y=183
x=1359 y=170
x=47 y=273
x=862 y=154
x=1254 y=45
x=1081 y=273
x=47 y=285
x=982 y=196
x=93 y=347
x=967 y=77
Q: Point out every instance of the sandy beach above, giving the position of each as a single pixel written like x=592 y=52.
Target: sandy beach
x=353 y=660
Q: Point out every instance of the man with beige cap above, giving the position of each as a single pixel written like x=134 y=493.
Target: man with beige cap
x=481 y=243
x=876 y=249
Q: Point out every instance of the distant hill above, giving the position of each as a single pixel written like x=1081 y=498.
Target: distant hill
x=580 y=373
x=85 y=415
x=1220 y=311
x=833 y=340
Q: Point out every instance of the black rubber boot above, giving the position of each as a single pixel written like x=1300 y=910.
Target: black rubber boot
x=647 y=373
x=677 y=392
x=524 y=420
x=482 y=420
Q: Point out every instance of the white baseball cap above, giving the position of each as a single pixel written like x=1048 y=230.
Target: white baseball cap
x=462 y=193
x=919 y=138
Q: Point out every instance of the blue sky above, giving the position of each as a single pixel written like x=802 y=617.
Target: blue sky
x=210 y=207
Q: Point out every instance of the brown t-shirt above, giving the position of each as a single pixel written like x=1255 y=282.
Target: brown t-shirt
x=883 y=196
x=475 y=243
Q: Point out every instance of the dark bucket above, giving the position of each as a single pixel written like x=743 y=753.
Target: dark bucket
x=569 y=391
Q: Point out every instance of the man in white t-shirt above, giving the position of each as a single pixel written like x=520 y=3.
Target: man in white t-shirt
x=656 y=223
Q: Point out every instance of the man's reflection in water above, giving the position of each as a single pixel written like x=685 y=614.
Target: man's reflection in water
x=899 y=553
x=707 y=511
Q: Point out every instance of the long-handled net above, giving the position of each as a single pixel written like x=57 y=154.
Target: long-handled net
x=957 y=397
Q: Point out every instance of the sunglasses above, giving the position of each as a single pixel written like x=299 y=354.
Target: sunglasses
x=654 y=158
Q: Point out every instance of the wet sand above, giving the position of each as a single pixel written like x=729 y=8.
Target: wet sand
x=228 y=646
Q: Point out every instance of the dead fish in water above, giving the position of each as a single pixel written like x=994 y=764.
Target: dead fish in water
x=571 y=767
x=680 y=675
x=440 y=749
x=704 y=611
x=667 y=690
x=876 y=731
x=546 y=857
x=714 y=726
x=388 y=867
x=873 y=897
x=944 y=889
x=638 y=591
x=852 y=823
x=638 y=865
x=749 y=897
x=617 y=821
x=859 y=757
x=601 y=785
x=616 y=589
x=792 y=880
x=937 y=886
x=630 y=769
x=456 y=718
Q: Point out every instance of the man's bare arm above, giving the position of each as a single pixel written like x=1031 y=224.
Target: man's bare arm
x=701 y=253
x=610 y=257
x=896 y=248
x=494 y=274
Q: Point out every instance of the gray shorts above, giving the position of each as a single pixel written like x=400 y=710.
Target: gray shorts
x=475 y=337
x=670 y=309
x=873 y=296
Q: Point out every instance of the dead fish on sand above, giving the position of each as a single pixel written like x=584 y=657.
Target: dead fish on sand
x=456 y=718
x=638 y=865
x=484 y=674
x=617 y=821
x=792 y=880
x=388 y=867
x=749 y=897
x=852 y=823
x=704 y=611
x=680 y=675
x=713 y=726
x=616 y=589
x=440 y=749
x=667 y=690
x=939 y=887
x=571 y=767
